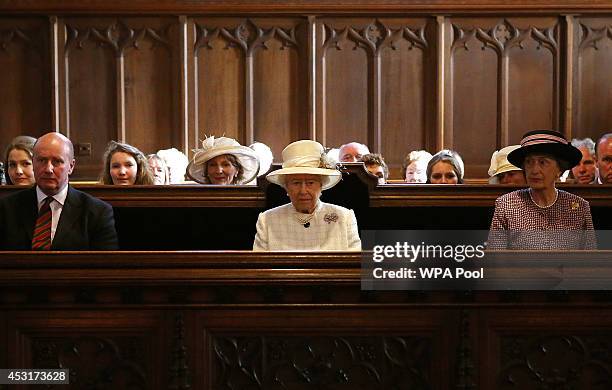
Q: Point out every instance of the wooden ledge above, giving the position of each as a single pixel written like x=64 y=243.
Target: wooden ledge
x=299 y=6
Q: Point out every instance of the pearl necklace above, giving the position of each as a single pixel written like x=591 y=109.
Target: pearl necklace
x=547 y=206
x=304 y=219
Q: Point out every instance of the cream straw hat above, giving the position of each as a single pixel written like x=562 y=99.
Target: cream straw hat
x=213 y=147
x=306 y=157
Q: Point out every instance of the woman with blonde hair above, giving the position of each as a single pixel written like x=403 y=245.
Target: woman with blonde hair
x=159 y=170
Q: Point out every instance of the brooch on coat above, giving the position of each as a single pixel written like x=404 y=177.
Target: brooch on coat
x=575 y=205
x=329 y=218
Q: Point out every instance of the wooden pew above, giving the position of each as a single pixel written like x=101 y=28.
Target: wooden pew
x=195 y=217
x=162 y=320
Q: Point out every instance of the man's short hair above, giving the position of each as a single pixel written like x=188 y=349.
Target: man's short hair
x=376 y=159
x=603 y=138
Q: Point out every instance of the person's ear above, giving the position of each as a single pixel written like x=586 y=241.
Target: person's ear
x=71 y=166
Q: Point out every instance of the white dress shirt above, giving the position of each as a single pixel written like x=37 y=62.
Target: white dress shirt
x=56 y=205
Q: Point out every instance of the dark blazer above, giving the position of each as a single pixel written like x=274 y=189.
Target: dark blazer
x=86 y=223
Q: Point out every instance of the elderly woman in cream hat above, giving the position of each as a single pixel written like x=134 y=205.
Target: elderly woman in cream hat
x=306 y=223
x=502 y=172
x=223 y=161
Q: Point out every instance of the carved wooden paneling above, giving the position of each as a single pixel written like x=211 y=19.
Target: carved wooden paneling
x=152 y=59
x=496 y=65
x=102 y=351
x=407 y=90
x=219 y=83
x=345 y=51
x=251 y=79
x=592 y=77
x=280 y=84
x=474 y=93
x=556 y=361
x=314 y=362
x=25 y=100
x=560 y=350
x=533 y=66
x=376 y=84
x=323 y=349
x=88 y=74
x=397 y=81
x=122 y=83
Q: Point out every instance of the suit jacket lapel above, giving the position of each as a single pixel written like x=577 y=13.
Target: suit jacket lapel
x=30 y=213
x=70 y=213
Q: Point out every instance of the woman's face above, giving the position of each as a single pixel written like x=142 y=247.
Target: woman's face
x=416 y=172
x=123 y=169
x=442 y=172
x=541 y=171
x=304 y=191
x=20 y=168
x=221 y=171
x=512 y=177
x=158 y=170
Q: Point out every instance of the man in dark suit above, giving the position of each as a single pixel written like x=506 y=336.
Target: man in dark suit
x=53 y=215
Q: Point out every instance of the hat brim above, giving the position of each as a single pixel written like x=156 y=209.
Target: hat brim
x=569 y=154
x=246 y=156
x=329 y=177
x=507 y=168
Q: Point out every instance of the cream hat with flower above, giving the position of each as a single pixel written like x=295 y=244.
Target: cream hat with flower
x=213 y=147
x=500 y=163
x=306 y=157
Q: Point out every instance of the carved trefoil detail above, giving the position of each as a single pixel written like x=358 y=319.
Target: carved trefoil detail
x=119 y=36
x=374 y=37
x=247 y=36
x=591 y=36
x=504 y=36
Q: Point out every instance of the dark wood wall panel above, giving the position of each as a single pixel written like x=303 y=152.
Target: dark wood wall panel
x=89 y=76
x=25 y=100
x=345 y=83
x=533 y=66
x=102 y=349
x=280 y=84
x=406 y=76
x=296 y=321
x=152 y=59
x=531 y=70
x=593 y=77
x=220 y=83
x=474 y=77
x=532 y=349
x=475 y=92
x=304 y=350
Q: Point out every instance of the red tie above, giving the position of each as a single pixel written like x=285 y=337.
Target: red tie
x=41 y=239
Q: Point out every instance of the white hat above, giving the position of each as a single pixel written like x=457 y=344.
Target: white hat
x=500 y=163
x=264 y=153
x=177 y=164
x=213 y=147
x=306 y=157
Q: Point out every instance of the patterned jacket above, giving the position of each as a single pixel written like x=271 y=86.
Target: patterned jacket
x=331 y=228
x=518 y=223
